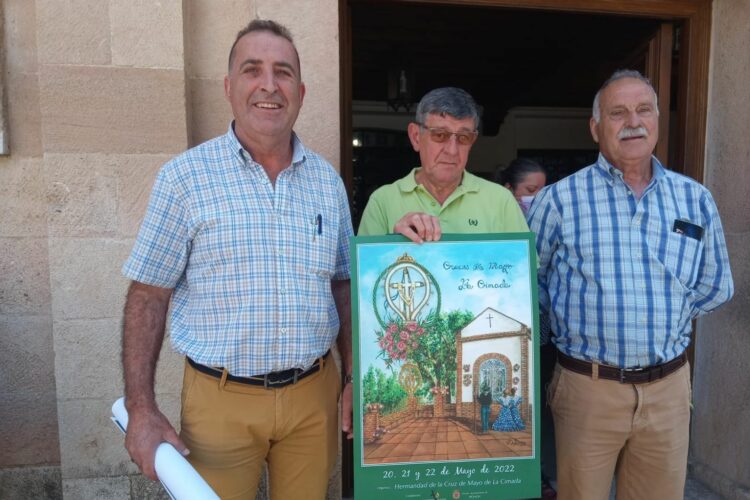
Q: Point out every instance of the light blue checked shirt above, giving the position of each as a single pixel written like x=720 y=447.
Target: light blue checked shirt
x=251 y=263
x=620 y=285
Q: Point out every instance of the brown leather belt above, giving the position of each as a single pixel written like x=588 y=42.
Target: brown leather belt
x=271 y=380
x=624 y=376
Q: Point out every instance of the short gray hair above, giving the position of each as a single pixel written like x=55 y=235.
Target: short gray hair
x=620 y=74
x=448 y=101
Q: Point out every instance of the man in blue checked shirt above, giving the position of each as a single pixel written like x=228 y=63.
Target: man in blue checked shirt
x=629 y=254
x=245 y=251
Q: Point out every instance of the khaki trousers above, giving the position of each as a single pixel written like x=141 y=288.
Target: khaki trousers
x=638 y=432
x=232 y=429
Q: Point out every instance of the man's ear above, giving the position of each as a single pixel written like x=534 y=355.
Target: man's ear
x=594 y=133
x=413 y=131
x=227 y=88
x=302 y=90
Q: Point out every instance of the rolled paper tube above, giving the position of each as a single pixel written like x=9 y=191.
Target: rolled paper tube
x=178 y=477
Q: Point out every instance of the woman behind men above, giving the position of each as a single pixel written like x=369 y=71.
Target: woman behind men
x=525 y=178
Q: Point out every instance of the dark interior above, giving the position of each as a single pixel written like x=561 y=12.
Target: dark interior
x=503 y=57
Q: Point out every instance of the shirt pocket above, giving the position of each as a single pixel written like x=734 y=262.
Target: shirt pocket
x=683 y=258
x=322 y=245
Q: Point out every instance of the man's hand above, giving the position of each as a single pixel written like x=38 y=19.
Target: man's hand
x=346 y=411
x=419 y=227
x=147 y=429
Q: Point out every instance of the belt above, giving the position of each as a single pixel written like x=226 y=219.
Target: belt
x=271 y=380
x=624 y=376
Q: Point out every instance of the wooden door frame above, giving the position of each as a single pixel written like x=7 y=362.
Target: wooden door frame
x=692 y=94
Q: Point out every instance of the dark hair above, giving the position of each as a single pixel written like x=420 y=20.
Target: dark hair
x=450 y=101
x=516 y=172
x=269 y=26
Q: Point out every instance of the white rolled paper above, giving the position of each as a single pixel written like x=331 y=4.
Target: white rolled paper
x=178 y=477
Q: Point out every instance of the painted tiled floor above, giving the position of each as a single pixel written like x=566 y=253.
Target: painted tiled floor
x=437 y=439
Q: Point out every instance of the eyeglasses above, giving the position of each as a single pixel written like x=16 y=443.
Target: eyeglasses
x=440 y=135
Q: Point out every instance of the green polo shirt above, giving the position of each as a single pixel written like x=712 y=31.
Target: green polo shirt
x=476 y=206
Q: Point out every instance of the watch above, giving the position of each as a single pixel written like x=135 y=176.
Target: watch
x=348 y=379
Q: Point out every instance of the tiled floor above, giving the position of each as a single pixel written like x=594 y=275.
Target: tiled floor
x=435 y=439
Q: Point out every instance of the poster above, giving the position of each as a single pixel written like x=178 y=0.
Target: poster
x=446 y=396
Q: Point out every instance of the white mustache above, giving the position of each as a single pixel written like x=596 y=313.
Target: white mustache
x=632 y=132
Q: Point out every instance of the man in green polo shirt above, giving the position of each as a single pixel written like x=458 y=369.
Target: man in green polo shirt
x=441 y=196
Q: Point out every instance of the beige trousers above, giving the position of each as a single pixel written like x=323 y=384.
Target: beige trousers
x=637 y=432
x=232 y=429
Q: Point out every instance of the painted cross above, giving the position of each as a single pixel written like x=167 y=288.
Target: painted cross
x=489 y=318
x=405 y=291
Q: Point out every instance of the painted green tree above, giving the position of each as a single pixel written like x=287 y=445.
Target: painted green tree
x=377 y=387
x=436 y=355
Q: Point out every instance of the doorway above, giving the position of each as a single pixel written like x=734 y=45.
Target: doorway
x=532 y=66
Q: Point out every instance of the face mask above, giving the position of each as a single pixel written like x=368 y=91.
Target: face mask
x=526 y=203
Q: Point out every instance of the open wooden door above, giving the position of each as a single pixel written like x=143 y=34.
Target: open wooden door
x=659 y=71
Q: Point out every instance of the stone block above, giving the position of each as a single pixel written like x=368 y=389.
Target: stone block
x=135 y=180
x=88 y=361
x=143 y=488
x=211 y=113
x=97 y=488
x=316 y=35
x=91 y=445
x=728 y=107
x=27 y=358
x=20 y=36
x=41 y=483
x=98 y=194
x=73 y=32
x=29 y=430
x=87 y=109
x=211 y=28
x=24 y=115
x=81 y=195
x=24 y=276
x=147 y=34
x=85 y=277
x=22 y=198
x=720 y=379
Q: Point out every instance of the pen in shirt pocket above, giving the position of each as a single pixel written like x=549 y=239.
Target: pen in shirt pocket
x=317 y=226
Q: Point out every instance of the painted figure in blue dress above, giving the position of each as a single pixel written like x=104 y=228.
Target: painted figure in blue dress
x=509 y=419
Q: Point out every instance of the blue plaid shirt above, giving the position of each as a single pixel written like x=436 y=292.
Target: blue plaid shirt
x=251 y=263
x=620 y=284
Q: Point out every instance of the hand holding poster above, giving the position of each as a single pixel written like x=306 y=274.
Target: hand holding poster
x=179 y=478
x=445 y=347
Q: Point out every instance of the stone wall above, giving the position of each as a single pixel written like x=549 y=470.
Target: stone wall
x=99 y=95
x=721 y=419
x=29 y=455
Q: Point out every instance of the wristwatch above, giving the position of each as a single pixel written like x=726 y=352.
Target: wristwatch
x=348 y=379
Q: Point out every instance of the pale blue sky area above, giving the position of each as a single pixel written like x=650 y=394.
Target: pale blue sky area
x=446 y=262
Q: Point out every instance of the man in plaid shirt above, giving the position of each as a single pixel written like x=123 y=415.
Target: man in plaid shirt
x=629 y=253
x=245 y=249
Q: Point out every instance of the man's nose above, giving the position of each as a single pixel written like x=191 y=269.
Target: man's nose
x=268 y=82
x=633 y=119
x=451 y=145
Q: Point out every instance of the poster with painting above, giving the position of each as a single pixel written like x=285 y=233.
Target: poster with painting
x=446 y=392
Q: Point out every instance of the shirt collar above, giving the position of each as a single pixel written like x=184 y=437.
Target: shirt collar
x=469 y=183
x=610 y=172
x=298 y=149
